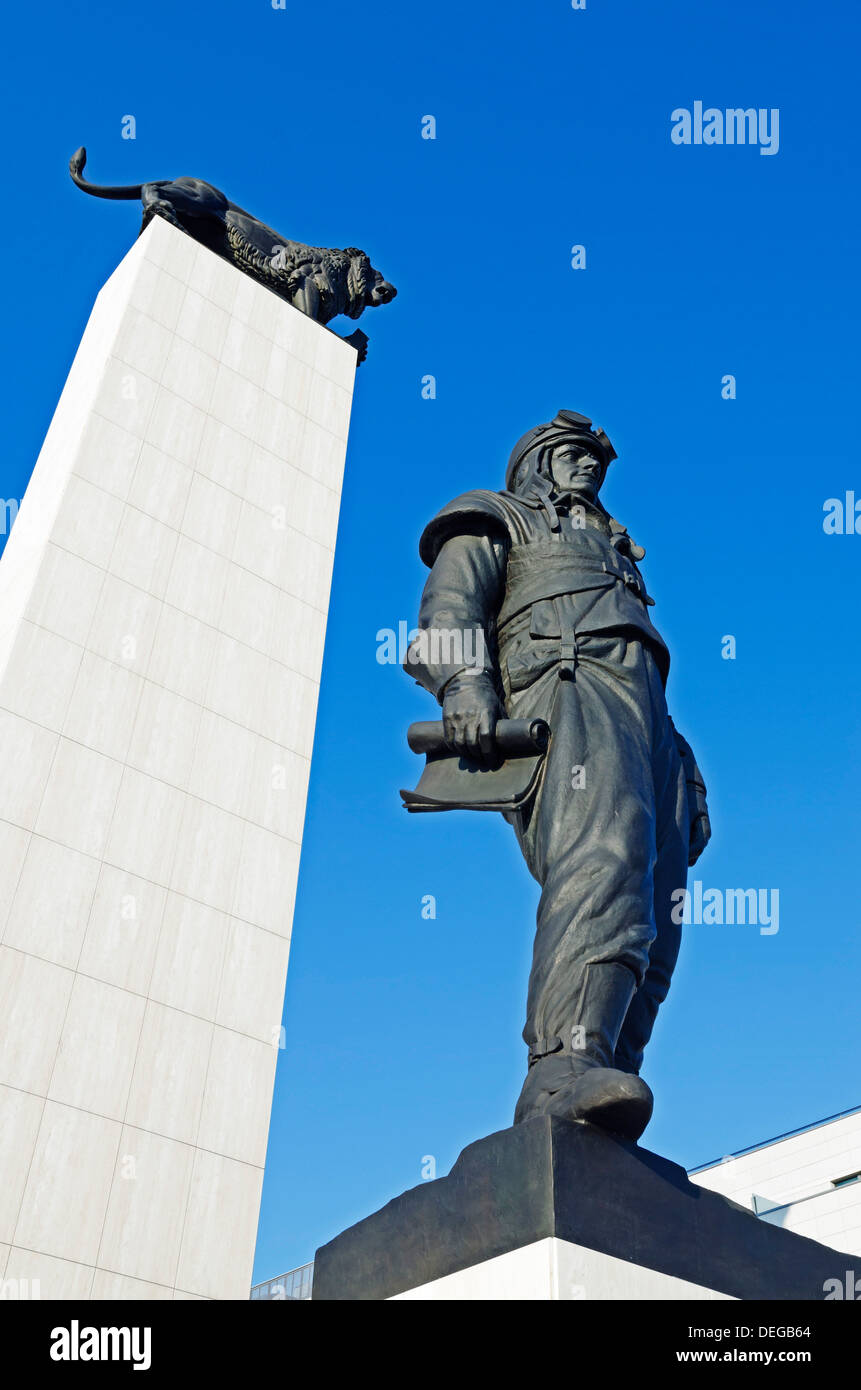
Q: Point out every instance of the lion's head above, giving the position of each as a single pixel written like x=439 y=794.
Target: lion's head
x=366 y=287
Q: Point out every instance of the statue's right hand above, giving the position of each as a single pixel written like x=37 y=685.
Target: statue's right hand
x=470 y=712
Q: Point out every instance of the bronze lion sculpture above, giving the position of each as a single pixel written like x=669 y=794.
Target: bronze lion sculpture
x=317 y=281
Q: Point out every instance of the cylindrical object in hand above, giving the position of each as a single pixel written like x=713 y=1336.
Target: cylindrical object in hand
x=513 y=738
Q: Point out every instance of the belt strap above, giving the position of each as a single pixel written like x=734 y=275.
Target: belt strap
x=567 y=650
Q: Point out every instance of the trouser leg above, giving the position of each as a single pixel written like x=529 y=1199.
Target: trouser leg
x=671 y=871
x=591 y=842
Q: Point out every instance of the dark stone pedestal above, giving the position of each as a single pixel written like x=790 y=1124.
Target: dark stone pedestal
x=549 y=1177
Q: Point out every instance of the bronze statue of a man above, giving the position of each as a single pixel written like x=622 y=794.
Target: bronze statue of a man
x=545 y=584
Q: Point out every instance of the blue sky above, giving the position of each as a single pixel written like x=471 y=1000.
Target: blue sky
x=553 y=129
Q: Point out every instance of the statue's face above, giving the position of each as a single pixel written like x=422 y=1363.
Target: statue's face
x=576 y=471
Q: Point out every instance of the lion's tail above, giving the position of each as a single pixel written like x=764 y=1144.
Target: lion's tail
x=76 y=169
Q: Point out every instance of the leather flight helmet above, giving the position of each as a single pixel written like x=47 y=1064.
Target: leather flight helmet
x=566 y=424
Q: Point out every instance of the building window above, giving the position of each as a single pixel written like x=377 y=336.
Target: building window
x=844 y=1182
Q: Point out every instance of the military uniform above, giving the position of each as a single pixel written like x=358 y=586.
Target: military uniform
x=554 y=587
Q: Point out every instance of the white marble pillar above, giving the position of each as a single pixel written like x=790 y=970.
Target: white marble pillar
x=163 y=601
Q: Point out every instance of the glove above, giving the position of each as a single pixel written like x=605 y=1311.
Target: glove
x=470 y=711
x=700 y=825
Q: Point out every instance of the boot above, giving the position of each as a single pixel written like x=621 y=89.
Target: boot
x=583 y=1083
x=636 y=1031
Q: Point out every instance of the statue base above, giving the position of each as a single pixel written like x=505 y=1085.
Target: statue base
x=557 y=1210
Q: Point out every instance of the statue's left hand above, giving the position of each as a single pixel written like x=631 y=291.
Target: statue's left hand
x=701 y=833
x=700 y=825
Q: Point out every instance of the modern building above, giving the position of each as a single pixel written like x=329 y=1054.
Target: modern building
x=807 y=1181
x=294 y=1286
